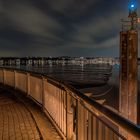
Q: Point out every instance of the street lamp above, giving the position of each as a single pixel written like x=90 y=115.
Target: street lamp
x=133 y=13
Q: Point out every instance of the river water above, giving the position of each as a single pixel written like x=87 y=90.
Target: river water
x=98 y=81
x=78 y=74
x=89 y=74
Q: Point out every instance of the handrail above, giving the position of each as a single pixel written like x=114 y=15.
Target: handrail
x=114 y=117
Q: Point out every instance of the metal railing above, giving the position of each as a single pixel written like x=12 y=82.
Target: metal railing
x=75 y=116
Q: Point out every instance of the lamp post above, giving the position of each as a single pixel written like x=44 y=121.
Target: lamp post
x=133 y=14
x=128 y=67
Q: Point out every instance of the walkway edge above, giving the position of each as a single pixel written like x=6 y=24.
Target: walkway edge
x=37 y=114
x=40 y=119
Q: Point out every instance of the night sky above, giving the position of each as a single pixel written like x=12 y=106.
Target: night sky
x=61 y=27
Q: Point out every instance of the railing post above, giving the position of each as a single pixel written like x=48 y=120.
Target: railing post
x=76 y=123
x=15 y=79
x=82 y=122
x=90 y=129
x=28 y=84
x=43 y=95
x=69 y=121
x=4 y=76
x=79 y=122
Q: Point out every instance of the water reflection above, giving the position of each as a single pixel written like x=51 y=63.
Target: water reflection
x=84 y=74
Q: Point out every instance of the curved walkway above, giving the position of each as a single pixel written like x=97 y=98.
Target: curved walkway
x=23 y=120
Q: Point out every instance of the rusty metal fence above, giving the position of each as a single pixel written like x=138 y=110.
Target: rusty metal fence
x=74 y=115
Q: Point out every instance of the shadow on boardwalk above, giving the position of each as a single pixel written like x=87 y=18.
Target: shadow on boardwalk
x=21 y=119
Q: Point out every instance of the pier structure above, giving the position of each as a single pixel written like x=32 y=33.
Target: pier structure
x=70 y=114
x=129 y=100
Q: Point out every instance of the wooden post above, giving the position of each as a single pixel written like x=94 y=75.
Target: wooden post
x=15 y=79
x=4 y=76
x=69 y=117
x=128 y=75
x=28 y=84
x=43 y=95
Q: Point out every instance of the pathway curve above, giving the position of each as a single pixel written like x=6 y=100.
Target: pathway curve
x=17 y=122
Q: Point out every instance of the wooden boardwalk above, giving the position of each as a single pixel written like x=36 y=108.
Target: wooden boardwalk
x=21 y=119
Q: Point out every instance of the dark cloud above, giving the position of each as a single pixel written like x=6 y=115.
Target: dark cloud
x=60 y=27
